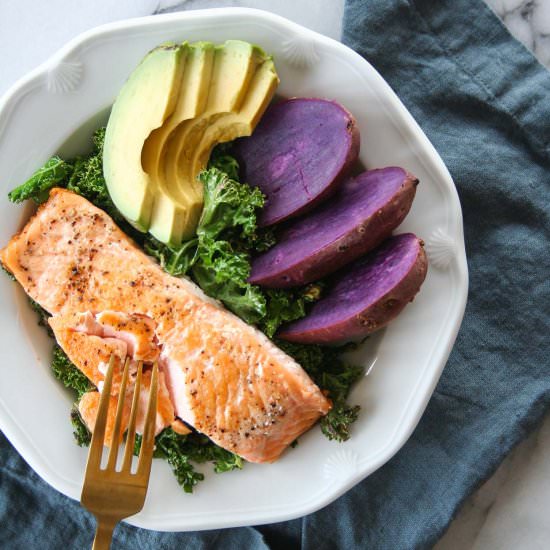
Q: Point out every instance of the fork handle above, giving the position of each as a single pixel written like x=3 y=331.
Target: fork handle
x=103 y=534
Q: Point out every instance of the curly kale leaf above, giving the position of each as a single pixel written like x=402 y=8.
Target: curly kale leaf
x=309 y=356
x=201 y=449
x=68 y=373
x=337 y=423
x=56 y=172
x=181 y=451
x=227 y=224
x=337 y=378
x=222 y=159
x=174 y=260
x=222 y=273
x=229 y=206
x=81 y=433
x=285 y=305
x=173 y=448
x=281 y=306
x=87 y=178
x=263 y=239
x=82 y=175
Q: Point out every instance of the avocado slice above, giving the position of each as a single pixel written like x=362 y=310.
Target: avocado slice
x=240 y=123
x=173 y=212
x=177 y=104
x=234 y=66
x=145 y=101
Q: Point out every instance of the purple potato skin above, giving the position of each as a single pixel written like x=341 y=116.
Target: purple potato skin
x=366 y=296
x=363 y=212
x=298 y=155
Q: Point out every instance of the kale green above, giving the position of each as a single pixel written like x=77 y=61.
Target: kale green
x=181 y=451
x=222 y=159
x=87 y=180
x=282 y=306
x=82 y=435
x=218 y=260
x=53 y=173
x=71 y=377
x=225 y=232
x=256 y=239
x=229 y=208
x=174 y=260
x=82 y=175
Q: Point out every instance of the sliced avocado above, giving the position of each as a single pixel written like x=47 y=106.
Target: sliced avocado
x=219 y=104
x=173 y=212
x=234 y=65
x=226 y=94
x=177 y=104
x=240 y=123
x=145 y=101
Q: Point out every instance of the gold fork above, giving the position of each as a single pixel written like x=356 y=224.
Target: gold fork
x=109 y=494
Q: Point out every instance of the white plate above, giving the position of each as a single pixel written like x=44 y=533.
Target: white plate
x=69 y=93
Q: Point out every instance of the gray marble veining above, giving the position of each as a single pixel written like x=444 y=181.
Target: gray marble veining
x=529 y=22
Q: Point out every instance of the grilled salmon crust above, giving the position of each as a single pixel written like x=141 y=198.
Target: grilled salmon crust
x=224 y=377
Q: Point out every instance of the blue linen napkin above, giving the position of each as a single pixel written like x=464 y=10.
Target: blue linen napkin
x=484 y=102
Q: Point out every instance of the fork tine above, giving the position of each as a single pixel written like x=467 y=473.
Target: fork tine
x=96 y=446
x=148 y=441
x=131 y=433
x=113 y=451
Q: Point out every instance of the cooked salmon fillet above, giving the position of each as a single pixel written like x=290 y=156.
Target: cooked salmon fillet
x=222 y=376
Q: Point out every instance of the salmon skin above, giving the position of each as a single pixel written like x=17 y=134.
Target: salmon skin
x=219 y=374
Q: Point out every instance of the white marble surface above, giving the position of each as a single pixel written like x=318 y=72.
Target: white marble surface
x=510 y=511
x=529 y=22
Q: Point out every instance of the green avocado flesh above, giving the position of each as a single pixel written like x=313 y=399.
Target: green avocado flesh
x=143 y=104
x=176 y=106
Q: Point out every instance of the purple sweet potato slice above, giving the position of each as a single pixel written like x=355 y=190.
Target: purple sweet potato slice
x=299 y=153
x=366 y=296
x=363 y=212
